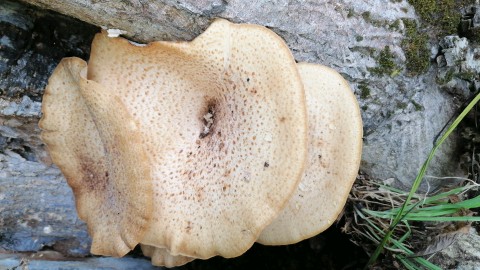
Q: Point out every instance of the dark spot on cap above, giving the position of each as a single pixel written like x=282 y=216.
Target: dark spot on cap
x=94 y=174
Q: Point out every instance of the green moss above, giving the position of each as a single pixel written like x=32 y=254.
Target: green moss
x=358 y=38
x=351 y=13
x=366 y=16
x=424 y=8
x=401 y=105
x=452 y=73
x=416 y=49
x=364 y=107
x=442 y=13
x=386 y=60
x=386 y=63
x=468 y=76
x=474 y=34
x=448 y=77
x=368 y=51
x=364 y=91
x=418 y=107
x=395 y=25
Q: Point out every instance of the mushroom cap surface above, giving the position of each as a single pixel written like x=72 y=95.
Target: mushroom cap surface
x=223 y=119
x=334 y=154
x=161 y=257
x=96 y=144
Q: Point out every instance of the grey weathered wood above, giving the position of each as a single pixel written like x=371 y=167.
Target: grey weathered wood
x=45 y=260
x=36 y=205
x=143 y=20
x=397 y=137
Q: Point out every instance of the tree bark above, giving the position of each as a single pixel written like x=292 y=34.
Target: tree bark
x=36 y=205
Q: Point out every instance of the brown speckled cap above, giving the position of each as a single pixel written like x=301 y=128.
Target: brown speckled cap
x=334 y=153
x=96 y=143
x=215 y=134
x=161 y=257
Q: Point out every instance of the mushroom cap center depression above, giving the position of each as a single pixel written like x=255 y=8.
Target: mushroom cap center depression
x=225 y=129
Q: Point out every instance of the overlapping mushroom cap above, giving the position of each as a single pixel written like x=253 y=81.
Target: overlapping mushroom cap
x=193 y=149
x=334 y=150
x=162 y=257
x=97 y=145
x=213 y=130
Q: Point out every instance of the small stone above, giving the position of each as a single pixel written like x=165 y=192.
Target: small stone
x=461 y=254
x=454 y=49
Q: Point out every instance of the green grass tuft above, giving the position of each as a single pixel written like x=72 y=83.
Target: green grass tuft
x=385 y=214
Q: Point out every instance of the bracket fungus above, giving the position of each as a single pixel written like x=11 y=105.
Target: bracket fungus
x=102 y=158
x=334 y=150
x=162 y=257
x=198 y=149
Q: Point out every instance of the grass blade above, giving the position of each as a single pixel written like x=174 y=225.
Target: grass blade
x=419 y=178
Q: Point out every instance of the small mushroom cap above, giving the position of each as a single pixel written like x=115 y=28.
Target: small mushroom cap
x=161 y=256
x=95 y=142
x=224 y=122
x=334 y=153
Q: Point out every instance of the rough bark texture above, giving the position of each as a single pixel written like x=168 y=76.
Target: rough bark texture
x=346 y=35
x=402 y=112
x=36 y=207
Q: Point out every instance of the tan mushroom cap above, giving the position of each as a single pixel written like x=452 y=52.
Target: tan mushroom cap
x=325 y=90
x=161 y=256
x=334 y=153
x=95 y=142
x=224 y=120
